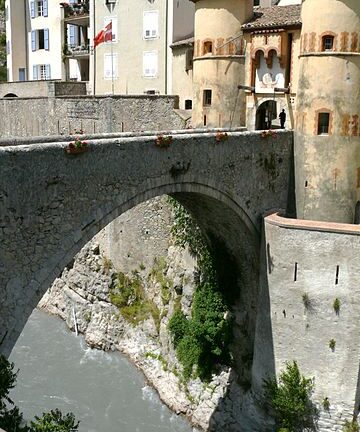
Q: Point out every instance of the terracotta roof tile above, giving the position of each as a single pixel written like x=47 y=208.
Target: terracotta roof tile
x=276 y=16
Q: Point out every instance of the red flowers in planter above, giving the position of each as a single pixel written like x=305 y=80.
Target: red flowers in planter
x=163 y=141
x=77 y=147
x=221 y=136
x=269 y=133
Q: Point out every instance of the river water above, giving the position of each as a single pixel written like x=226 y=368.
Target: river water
x=104 y=390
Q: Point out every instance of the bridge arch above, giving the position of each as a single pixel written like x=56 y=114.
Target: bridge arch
x=231 y=234
x=61 y=202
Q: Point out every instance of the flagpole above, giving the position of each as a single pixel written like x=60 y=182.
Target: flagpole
x=112 y=62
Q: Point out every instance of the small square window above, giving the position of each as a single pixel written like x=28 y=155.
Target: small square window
x=208 y=47
x=323 y=123
x=207 y=97
x=328 y=43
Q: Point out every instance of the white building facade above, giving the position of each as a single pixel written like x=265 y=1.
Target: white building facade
x=50 y=40
x=34 y=40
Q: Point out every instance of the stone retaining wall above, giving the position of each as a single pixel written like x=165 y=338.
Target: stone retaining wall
x=66 y=115
x=309 y=265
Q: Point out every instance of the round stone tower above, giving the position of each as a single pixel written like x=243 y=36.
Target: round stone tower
x=327 y=131
x=219 y=62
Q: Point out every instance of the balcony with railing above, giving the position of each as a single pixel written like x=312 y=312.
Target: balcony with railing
x=77 y=51
x=76 y=13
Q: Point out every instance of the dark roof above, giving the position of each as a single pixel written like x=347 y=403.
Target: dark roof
x=184 y=42
x=276 y=16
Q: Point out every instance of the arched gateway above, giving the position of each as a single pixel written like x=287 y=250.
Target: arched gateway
x=52 y=203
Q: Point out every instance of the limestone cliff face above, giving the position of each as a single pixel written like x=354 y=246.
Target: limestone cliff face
x=138 y=245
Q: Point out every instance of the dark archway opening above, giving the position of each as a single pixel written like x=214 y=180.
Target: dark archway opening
x=265 y=114
x=10 y=95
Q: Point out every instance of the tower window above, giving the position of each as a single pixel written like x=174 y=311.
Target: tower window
x=189 y=59
x=327 y=43
x=208 y=47
x=207 y=97
x=323 y=123
x=188 y=104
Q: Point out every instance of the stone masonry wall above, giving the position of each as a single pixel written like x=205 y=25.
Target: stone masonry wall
x=310 y=264
x=43 y=116
x=42 y=88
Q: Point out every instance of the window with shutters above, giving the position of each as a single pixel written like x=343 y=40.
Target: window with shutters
x=150 y=64
x=40 y=39
x=39 y=8
x=41 y=72
x=151 y=24
x=110 y=66
x=73 y=36
x=113 y=27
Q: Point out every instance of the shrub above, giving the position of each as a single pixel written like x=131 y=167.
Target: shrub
x=107 y=264
x=290 y=398
x=306 y=300
x=332 y=344
x=178 y=327
x=352 y=426
x=336 y=306
x=158 y=274
x=326 y=404
x=128 y=296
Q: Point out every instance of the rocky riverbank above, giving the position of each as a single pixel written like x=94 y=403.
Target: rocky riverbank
x=84 y=296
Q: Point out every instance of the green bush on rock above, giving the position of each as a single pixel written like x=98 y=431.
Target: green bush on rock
x=128 y=296
x=202 y=341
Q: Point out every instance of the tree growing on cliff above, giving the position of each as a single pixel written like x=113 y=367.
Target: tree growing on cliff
x=11 y=419
x=290 y=399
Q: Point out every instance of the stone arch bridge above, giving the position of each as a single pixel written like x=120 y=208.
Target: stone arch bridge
x=52 y=203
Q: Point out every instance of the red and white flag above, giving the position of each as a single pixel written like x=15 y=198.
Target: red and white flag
x=104 y=35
